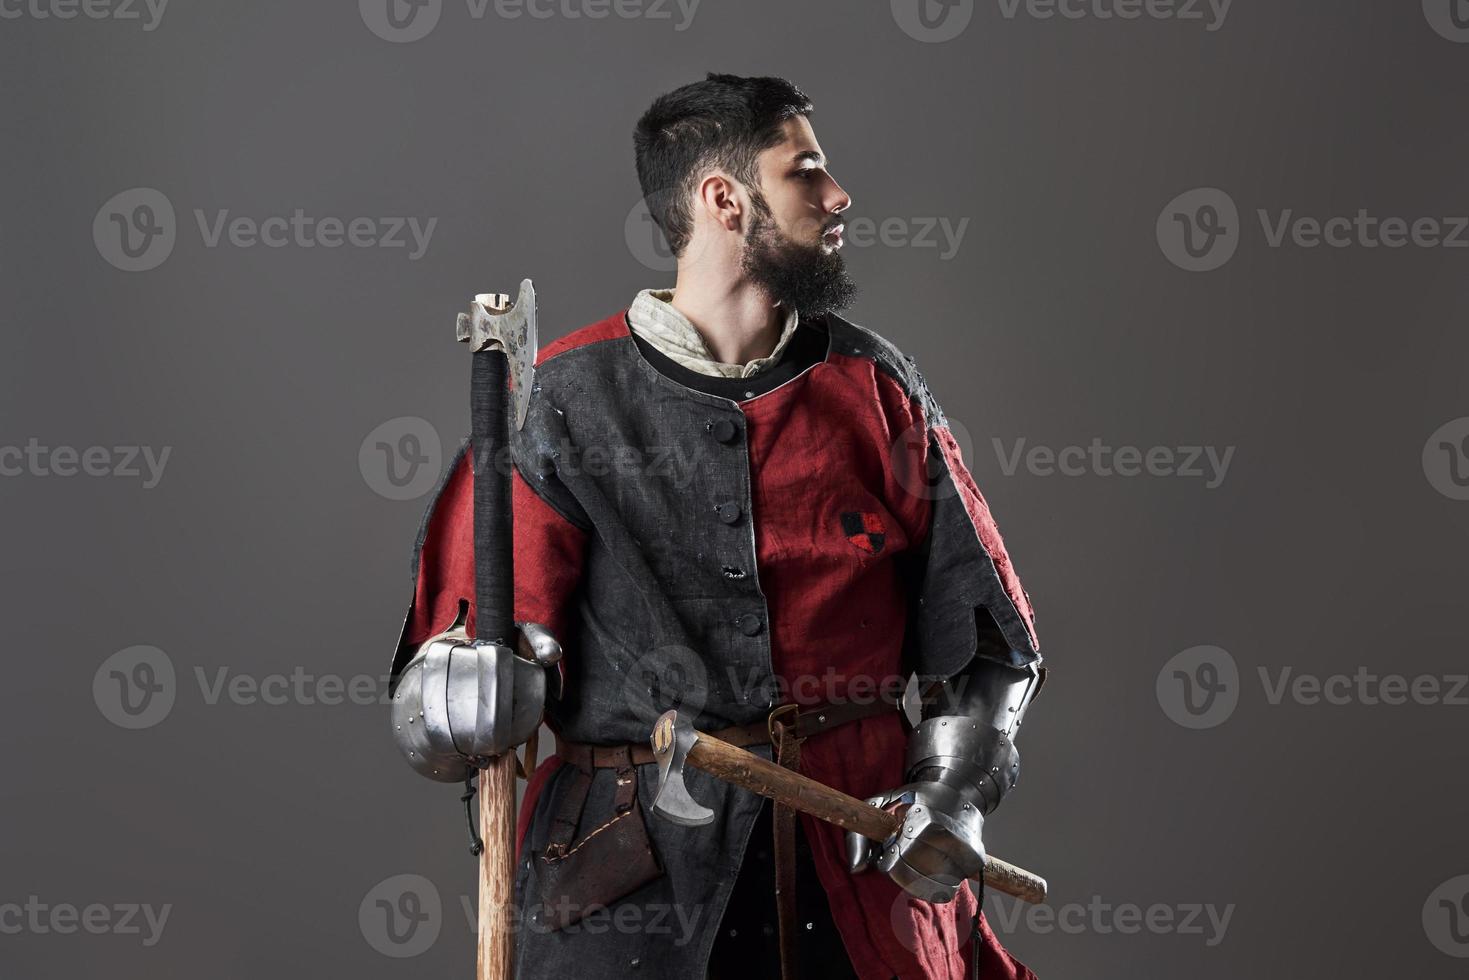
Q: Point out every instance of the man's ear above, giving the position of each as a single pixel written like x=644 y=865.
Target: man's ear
x=723 y=200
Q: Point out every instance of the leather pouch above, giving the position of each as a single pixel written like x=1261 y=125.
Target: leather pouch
x=613 y=858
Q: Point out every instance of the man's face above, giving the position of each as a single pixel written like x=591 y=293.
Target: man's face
x=805 y=203
x=794 y=234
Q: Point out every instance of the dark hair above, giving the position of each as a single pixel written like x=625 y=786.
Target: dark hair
x=723 y=121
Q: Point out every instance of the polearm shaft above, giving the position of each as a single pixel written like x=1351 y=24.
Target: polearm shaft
x=494 y=591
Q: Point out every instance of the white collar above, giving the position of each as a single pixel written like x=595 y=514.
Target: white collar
x=657 y=321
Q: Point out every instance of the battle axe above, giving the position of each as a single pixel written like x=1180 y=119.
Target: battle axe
x=677 y=744
x=502 y=337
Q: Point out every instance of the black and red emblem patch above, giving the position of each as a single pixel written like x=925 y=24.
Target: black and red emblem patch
x=864 y=530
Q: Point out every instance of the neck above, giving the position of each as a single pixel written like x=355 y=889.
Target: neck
x=736 y=320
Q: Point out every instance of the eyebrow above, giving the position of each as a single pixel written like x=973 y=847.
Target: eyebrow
x=813 y=155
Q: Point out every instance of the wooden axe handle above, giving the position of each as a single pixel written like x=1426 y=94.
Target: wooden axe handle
x=745 y=769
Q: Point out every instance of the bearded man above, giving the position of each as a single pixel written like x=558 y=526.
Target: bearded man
x=730 y=500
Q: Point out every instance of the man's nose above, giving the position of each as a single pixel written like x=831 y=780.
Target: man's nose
x=839 y=200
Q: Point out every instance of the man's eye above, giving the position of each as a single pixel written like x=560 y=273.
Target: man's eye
x=806 y=174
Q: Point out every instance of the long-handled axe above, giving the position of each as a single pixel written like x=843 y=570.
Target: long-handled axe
x=503 y=339
x=677 y=744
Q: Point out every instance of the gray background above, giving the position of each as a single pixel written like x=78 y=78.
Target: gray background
x=266 y=548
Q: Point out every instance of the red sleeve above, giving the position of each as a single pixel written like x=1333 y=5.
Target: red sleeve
x=548 y=559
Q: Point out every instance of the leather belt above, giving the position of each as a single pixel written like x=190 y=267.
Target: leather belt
x=809 y=720
x=785 y=728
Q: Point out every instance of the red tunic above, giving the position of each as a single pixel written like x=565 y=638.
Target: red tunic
x=835 y=623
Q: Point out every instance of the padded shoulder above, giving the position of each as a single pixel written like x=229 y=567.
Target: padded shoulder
x=854 y=340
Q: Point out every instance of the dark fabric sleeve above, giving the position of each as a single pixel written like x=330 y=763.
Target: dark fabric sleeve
x=967 y=595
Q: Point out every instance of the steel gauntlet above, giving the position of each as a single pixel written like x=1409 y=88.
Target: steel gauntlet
x=961 y=762
x=460 y=702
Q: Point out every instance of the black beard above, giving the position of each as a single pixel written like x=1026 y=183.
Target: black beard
x=803 y=278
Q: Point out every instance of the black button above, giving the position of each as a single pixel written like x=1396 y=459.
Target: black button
x=748 y=624
x=728 y=512
x=724 y=430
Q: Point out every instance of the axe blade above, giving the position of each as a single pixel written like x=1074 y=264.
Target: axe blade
x=672 y=738
x=494 y=323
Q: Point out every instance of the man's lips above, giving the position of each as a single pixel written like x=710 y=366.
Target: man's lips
x=835 y=232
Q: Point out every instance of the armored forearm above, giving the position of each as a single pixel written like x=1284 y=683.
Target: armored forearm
x=966 y=740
